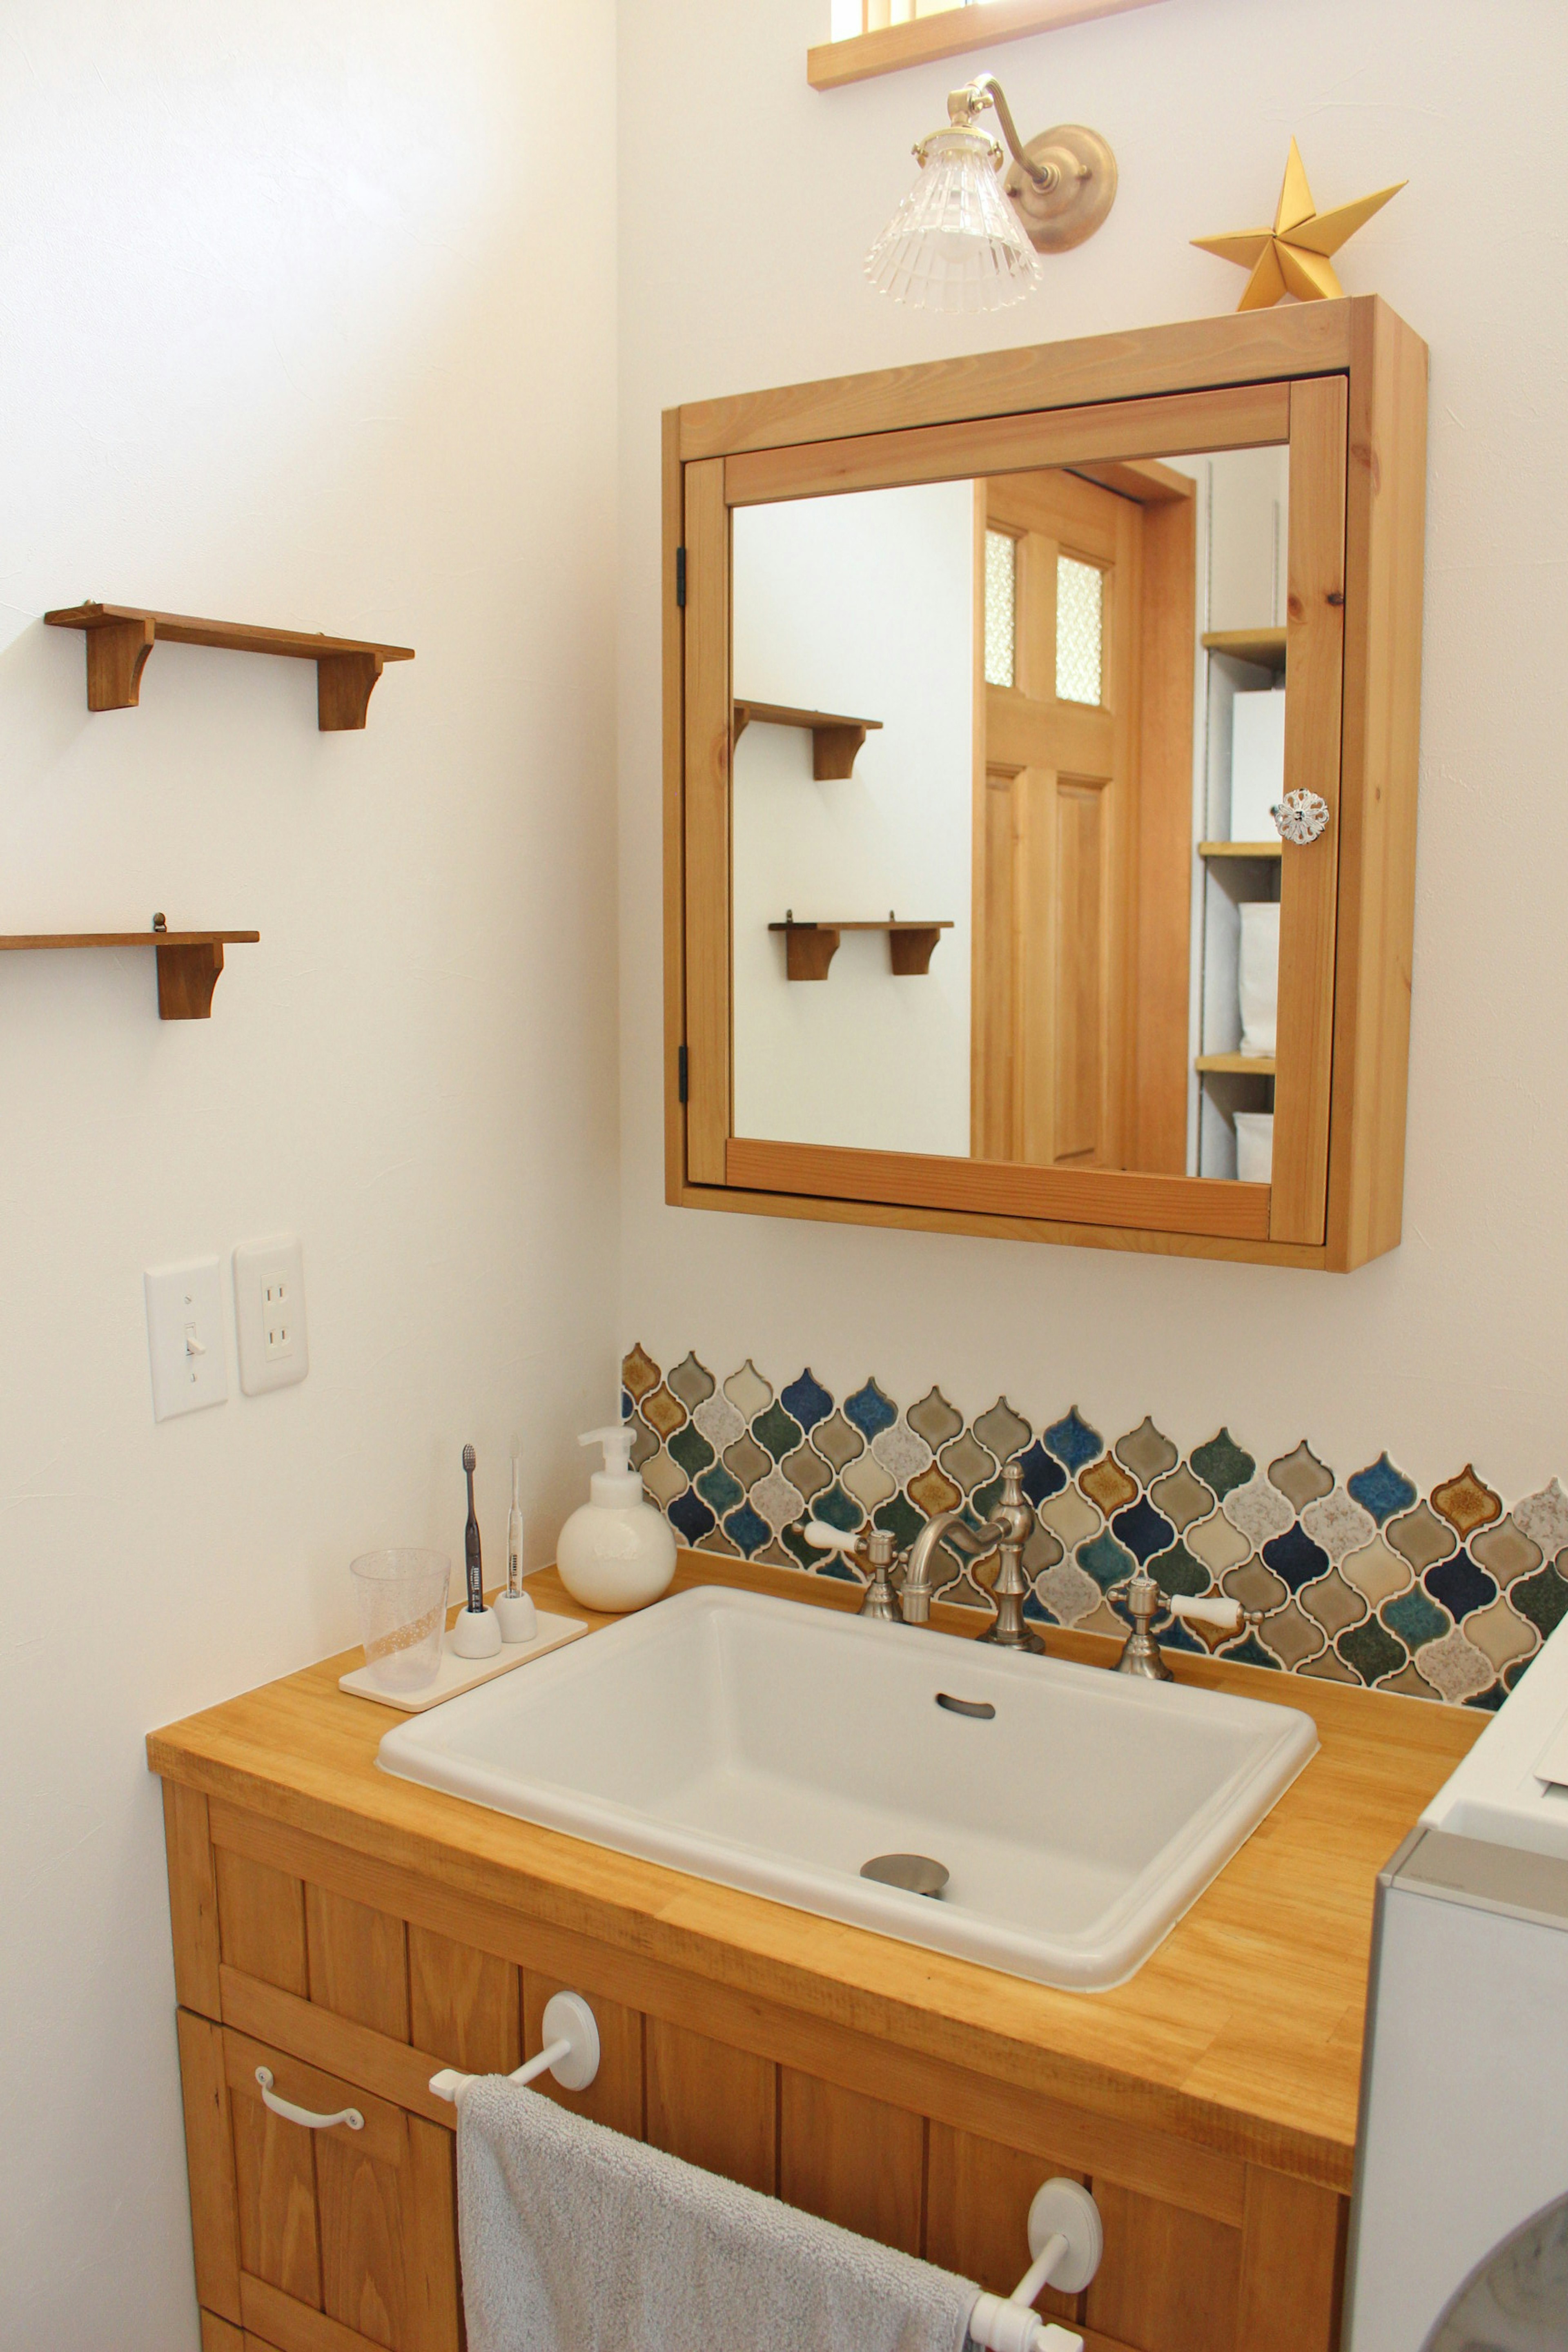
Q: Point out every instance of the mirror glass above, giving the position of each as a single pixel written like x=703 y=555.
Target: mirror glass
x=1005 y=883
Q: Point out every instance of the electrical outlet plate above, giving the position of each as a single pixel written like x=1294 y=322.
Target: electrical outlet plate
x=269 y=1313
x=184 y=1337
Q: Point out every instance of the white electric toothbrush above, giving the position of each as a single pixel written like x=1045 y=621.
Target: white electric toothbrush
x=514 y=1607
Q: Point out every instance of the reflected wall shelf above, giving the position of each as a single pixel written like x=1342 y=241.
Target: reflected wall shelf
x=189 y=962
x=810 y=948
x=835 y=740
x=1240 y=848
x=1237 y=1065
x=1264 y=647
x=120 y=636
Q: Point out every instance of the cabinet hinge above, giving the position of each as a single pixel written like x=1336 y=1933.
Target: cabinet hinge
x=680 y=575
x=680 y=1073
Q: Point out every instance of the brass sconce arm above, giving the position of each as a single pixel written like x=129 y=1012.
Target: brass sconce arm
x=964 y=105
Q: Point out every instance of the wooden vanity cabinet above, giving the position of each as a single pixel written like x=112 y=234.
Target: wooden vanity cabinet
x=353 y=1979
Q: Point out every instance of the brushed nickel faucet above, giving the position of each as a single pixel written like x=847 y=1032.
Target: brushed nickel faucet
x=1006 y=1533
x=1141 y=1652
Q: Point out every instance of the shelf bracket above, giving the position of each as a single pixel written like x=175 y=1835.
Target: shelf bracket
x=186 y=978
x=345 y=684
x=117 y=653
x=809 y=948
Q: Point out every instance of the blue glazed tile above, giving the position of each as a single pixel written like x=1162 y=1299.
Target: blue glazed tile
x=1511 y=1674
x=870 y=1411
x=626 y=1406
x=689 y=1516
x=836 y=1508
x=1295 y=1558
x=1460 y=1584
x=744 y=1528
x=794 y=1541
x=716 y=1486
x=833 y=1566
x=1105 y=1561
x=1042 y=1477
x=900 y=1518
x=1072 y=1441
x=1144 y=1529
x=1250 y=1653
x=1488 y=1701
x=808 y=1400
x=1381 y=1489
x=1415 y=1619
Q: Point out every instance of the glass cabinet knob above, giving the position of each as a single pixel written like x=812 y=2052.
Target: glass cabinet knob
x=1299 y=817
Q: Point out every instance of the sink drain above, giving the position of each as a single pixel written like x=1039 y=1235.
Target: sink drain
x=916 y=1872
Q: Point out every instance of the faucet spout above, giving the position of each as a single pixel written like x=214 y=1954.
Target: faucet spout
x=1006 y=1533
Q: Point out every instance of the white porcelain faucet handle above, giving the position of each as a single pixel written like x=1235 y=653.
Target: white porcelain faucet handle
x=822 y=1538
x=1224 y=1612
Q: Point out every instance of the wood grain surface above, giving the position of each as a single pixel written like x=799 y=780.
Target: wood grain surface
x=1240 y=2036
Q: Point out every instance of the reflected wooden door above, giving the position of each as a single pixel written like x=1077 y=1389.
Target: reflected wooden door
x=1055 y=862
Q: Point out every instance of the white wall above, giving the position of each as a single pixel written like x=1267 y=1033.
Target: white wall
x=742 y=245
x=864 y=605
x=308 y=320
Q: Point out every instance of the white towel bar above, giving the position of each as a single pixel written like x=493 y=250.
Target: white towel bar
x=1065 y=2236
x=571 y=2051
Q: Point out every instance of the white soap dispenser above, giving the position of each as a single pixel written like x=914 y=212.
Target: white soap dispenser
x=617 y=1551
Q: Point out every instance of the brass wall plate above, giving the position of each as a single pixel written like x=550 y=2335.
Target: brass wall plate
x=1057 y=218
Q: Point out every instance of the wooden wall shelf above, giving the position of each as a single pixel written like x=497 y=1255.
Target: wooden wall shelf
x=120 y=636
x=835 y=740
x=1240 y=848
x=1264 y=647
x=1237 y=1065
x=810 y=948
x=189 y=962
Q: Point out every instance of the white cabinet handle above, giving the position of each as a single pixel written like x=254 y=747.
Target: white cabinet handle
x=291 y=2114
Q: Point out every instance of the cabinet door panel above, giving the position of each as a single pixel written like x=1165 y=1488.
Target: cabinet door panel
x=1169 y=2279
x=977 y=2206
x=714 y=2106
x=853 y=2159
x=274 y=2177
x=464 y=2005
x=358 y=1962
x=261 y=1919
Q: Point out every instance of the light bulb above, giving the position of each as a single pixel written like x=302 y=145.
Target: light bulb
x=955 y=242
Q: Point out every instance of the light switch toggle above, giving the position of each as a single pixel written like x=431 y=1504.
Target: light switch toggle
x=184 y=1337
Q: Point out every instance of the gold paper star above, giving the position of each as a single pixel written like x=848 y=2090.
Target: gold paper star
x=1292 y=258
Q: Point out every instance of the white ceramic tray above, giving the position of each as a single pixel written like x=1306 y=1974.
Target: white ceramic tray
x=462 y=1674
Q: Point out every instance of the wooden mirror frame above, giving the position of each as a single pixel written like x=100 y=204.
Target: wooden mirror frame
x=1344 y=383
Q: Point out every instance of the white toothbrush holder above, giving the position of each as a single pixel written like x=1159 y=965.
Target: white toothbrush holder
x=477 y=1633
x=517 y=1616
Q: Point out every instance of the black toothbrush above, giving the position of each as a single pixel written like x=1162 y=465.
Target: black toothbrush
x=471 y=1538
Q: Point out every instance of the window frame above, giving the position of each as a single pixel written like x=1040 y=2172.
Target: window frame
x=856 y=56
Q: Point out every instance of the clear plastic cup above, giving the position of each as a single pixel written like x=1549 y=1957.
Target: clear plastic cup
x=402 y=1615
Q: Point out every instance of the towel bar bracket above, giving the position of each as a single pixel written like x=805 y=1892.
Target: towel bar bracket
x=571 y=2051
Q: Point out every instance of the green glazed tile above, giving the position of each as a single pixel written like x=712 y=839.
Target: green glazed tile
x=1300 y=1477
x=1177 y=1572
x=1372 y=1651
x=1541 y=1598
x=902 y=1522
x=1415 y=1619
x=1221 y=1464
x=1146 y=1451
x=719 y=1490
x=778 y=1431
x=691 y=1450
x=1106 y=1561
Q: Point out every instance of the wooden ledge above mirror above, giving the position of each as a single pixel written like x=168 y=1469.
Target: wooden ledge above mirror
x=1113 y=601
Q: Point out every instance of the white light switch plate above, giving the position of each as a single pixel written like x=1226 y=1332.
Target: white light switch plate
x=184 y=1337
x=269 y=1313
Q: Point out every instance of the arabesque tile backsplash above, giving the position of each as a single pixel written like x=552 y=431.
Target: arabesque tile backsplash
x=1356 y=1576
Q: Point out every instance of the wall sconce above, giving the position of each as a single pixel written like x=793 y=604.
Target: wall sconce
x=958 y=241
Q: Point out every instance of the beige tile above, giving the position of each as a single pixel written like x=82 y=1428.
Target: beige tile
x=1217 y=1545
x=1070 y=1517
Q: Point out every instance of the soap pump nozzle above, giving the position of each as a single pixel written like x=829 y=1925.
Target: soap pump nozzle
x=617 y=1486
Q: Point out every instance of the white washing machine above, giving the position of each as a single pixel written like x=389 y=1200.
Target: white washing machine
x=1459 y=2224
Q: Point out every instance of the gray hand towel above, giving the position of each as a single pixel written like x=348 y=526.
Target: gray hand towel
x=575 y=2238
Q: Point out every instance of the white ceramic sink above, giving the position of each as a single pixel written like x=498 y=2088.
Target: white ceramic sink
x=776 y=1746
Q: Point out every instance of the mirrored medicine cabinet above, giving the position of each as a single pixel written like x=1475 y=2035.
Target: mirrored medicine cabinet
x=1041 y=736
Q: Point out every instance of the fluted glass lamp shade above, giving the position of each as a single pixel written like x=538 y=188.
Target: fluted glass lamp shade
x=955 y=243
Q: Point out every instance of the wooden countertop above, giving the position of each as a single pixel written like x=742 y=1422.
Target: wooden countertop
x=1243 y=2031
